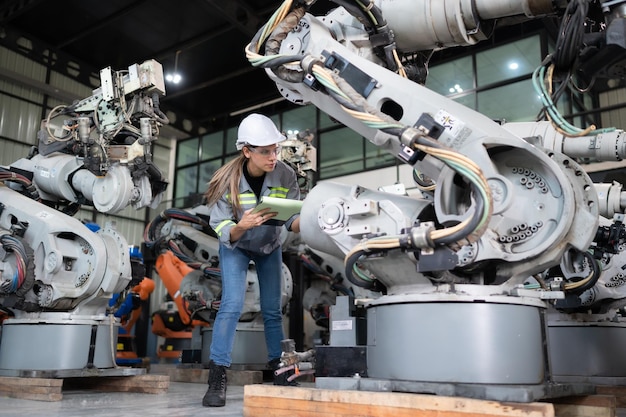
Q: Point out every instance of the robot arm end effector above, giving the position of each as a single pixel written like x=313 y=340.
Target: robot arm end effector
x=104 y=144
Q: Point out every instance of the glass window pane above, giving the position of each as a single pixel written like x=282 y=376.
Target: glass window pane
x=207 y=169
x=231 y=140
x=186 y=181
x=376 y=157
x=187 y=151
x=452 y=77
x=298 y=119
x=327 y=121
x=212 y=145
x=468 y=100
x=524 y=108
x=551 y=45
x=230 y=158
x=340 y=152
x=343 y=168
x=508 y=61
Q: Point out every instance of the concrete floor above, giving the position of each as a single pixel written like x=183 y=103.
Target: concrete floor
x=182 y=399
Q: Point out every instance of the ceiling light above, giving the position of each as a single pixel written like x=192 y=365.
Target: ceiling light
x=513 y=66
x=174 y=77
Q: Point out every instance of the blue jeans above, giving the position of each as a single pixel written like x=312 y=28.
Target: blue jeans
x=234 y=266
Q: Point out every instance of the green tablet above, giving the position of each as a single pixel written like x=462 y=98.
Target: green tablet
x=285 y=207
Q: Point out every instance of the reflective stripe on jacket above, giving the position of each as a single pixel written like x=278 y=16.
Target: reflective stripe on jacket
x=281 y=183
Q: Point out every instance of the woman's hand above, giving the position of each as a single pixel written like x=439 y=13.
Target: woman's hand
x=295 y=225
x=252 y=219
x=249 y=220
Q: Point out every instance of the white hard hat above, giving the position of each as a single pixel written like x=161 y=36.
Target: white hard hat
x=257 y=130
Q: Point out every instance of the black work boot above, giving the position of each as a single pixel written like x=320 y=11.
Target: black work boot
x=281 y=379
x=216 y=394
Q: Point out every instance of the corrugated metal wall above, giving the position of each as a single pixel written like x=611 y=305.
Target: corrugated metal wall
x=20 y=107
x=613 y=118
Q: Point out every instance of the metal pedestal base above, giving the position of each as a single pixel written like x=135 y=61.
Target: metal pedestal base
x=490 y=348
x=249 y=350
x=590 y=352
x=456 y=342
x=512 y=393
x=71 y=348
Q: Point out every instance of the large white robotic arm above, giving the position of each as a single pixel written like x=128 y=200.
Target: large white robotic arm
x=98 y=151
x=51 y=262
x=505 y=207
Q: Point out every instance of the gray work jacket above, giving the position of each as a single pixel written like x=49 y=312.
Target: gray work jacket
x=281 y=183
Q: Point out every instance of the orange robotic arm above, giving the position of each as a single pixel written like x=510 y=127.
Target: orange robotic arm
x=172 y=271
x=143 y=289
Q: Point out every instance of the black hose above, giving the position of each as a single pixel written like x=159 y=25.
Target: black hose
x=374 y=285
x=596 y=272
x=357 y=11
x=468 y=229
x=571 y=34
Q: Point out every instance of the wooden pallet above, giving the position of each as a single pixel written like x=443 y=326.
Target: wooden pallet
x=618 y=391
x=586 y=406
x=277 y=401
x=51 y=389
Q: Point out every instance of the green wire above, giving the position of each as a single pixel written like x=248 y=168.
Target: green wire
x=538 y=75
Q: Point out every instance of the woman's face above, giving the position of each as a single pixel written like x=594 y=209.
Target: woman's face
x=261 y=159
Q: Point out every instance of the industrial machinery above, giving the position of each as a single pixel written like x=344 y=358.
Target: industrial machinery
x=299 y=153
x=129 y=312
x=173 y=322
x=503 y=280
x=57 y=275
x=187 y=262
x=128 y=307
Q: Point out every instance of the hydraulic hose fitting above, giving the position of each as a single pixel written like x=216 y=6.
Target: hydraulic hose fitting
x=419 y=236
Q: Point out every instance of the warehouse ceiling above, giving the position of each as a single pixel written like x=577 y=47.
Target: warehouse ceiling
x=203 y=40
